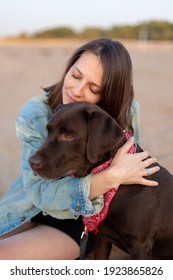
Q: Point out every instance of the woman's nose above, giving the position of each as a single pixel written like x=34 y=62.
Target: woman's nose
x=78 y=89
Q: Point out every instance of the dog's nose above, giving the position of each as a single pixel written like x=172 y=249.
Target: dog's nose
x=35 y=162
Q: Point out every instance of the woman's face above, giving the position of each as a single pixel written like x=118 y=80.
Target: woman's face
x=83 y=81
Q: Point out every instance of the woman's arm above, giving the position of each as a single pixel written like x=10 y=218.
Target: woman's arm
x=125 y=168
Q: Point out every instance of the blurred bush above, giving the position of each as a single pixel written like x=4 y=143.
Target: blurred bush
x=152 y=30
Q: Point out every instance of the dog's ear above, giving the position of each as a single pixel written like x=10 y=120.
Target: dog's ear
x=104 y=136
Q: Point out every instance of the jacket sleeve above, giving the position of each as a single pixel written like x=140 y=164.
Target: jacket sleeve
x=136 y=121
x=68 y=195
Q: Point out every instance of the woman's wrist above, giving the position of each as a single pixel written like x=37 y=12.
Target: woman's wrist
x=101 y=183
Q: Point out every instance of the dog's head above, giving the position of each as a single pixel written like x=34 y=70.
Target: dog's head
x=80 y=136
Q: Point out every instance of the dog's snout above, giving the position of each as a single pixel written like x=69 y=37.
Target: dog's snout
x=35 y=162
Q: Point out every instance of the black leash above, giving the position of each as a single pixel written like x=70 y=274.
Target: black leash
x=83 y=243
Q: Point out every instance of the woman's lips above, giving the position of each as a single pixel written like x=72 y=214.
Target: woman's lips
x=71 y=99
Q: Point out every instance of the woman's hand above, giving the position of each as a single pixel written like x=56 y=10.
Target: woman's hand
x=131 y=168
x=125 y=169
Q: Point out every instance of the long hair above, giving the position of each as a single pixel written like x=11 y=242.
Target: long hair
x=116 y=93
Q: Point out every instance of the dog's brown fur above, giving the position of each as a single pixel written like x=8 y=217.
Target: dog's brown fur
x=140 y=218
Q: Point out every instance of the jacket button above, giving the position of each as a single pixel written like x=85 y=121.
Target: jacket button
x=23 y=219
x=77 y=208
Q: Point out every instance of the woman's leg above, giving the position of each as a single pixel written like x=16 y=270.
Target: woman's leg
x=39 y=242
x=19 y=229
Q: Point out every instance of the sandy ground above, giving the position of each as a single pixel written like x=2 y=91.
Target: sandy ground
x=27 y=66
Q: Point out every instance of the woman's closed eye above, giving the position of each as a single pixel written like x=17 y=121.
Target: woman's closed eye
x=94 y=91
x=91 y=86
x=76 y=75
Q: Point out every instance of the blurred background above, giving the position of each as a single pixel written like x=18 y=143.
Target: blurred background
x=37 y=38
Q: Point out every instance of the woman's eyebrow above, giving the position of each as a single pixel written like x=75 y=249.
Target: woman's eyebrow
x=82 y=74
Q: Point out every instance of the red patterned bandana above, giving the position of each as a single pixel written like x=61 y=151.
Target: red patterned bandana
x=91 y=223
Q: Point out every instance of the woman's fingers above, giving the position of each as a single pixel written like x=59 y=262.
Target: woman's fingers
x=149 y=161
x=133 y=168
x=125 y=148
x=151 y=170
x=148 y=183
x=143 y=155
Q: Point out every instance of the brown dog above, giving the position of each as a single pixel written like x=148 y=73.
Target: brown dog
x=140 y=219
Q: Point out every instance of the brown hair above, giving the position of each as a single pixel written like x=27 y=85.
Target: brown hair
x=117 y=85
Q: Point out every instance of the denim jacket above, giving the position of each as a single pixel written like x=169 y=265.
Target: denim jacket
x=61 y=198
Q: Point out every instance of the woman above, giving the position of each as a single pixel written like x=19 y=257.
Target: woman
x=41 y=219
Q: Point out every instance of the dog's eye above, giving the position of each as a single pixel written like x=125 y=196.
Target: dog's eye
x=65 y=137
x=68 y=136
